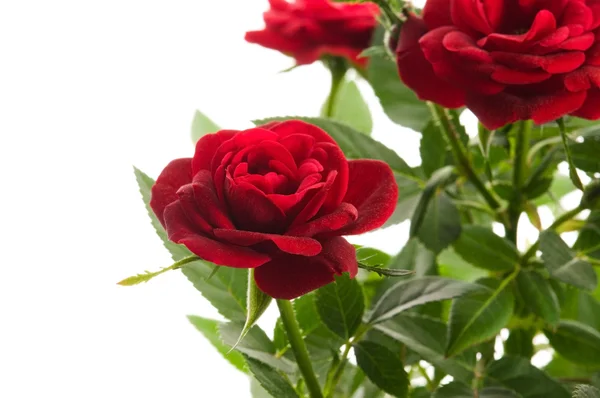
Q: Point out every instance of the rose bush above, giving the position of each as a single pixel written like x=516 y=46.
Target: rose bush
x=277 y=197
x=506 y=60
x=309 y=29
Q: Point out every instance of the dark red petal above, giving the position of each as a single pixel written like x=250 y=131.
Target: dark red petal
x=190 y=208
x=301 y=246
x=510 y=76
x=591 y=107
x=164 y=191
x=239 y=141
x=372 y=189
x=335 y=160
x=417 y=72
x=339 y=218
x=314 y=204
x=251 y=209
x=555 y=63
x=179 y=230
x=288 y=277
x=207 y=146
x=208 y=204
x=291 y=127
x=298 y=145
x=583 y=78
x=497 y=110
x=469 y=16
x=436 y=13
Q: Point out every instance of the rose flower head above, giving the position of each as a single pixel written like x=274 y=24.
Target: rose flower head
x=506 y=60
x=277 y=198
x=309 y=29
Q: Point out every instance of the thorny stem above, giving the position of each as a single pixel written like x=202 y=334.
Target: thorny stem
x=294 y=335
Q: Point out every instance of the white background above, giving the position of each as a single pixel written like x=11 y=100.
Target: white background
x=88 y=89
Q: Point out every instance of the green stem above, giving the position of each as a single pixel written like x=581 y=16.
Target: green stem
x=460 y=154
x=330 y=388
x=294 y=335
x=557 y=223
x=572 y=170
x=520 y=170
x=337 y=67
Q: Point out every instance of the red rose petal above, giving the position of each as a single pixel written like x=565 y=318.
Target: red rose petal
x=417 y=73
x=436 y=13
x=207 y=146
x=239 y=141
x=511 y=76
x=288 y=277
x=164 y=191
x=298 y=145
x=190 y=208
x=334 y=160
x=469 y=16
x=302 y=246
x=555 y=63
x=373 y=191
x=591 y=107
x=316 y=202
x=498 y=110
x=292 y=127
x=339 y=218
x=251 y=209
x=179 y=230
x=208 y=203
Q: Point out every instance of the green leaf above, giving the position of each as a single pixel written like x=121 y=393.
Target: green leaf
x=145 y=184
x=386 y=271
x=479 y=316
x=560 y=186
x=451 y=265
x=413 y=292
x=484 y=249
x=562 y=263
x=415 y=256
x=270 y=379
x=585 y=154
x=461 y=390
x=569 y=154
x=142 y=278
x=586 y=391
x=210 y=329
x=562 y=368
x=521 y=376
x=520 y=343
x=258 y=302
x=439 y=179
x=257 y=390
x=256 y=345
x=427 y=337
x=341 y=306
x=226 y=290
x=371 y=257
x=202 y=125
x=383 y=367
x=588 y=240
x=350 y=108
x=539 y=296
x=580 y=306
x=434 y=149
x=576 y=342
x=441 y=224
x=399 y=102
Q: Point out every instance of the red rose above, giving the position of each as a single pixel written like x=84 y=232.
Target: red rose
x=308 y=29
x=506 y=60
x=277 y=197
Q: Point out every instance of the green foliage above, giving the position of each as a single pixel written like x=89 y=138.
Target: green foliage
x=564 y=265
x=440 y=225
x=521 y=376
x=484 y=249
x=202 y=125
x=258 y=302
x=576 y=342
x=341 y=306
x=479 y=316
x=586 y=391
x=383 y=367
x=417 y=291
x=350 y=108
x=270 y=379
x=210 y=329
x=539 y=296
x=460 y=390
x=399 y=102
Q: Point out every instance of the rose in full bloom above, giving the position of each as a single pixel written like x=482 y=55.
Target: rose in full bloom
x=277 y=198
x=506 y=60
x=309 y=29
